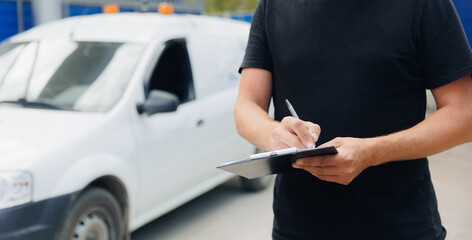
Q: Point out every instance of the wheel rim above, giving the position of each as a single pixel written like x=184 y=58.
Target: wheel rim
x=94 y=224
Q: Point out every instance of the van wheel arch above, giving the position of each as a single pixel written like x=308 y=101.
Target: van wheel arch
x=113 y=186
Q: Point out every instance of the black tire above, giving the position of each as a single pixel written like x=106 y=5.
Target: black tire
x=256 y=184
x=96 y=214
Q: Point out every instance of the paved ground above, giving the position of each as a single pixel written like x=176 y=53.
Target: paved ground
x=228 y=213
x=225 y=213
x=452 y=177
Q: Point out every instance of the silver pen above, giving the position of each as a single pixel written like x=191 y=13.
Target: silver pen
x=291 y=109
x=294 y=114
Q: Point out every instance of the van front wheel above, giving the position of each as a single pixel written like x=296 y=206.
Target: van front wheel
x=95 y=215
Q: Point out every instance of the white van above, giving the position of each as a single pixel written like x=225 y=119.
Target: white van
x=109 y=121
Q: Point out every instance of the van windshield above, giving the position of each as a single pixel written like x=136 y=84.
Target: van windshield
x=65 y=74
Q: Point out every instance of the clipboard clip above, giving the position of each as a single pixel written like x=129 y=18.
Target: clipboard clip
x=274 y=153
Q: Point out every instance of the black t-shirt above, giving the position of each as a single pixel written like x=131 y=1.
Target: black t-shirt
x=358 y=68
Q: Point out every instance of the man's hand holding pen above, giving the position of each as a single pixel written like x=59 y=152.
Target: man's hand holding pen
x=293 y=132
x=354 y=154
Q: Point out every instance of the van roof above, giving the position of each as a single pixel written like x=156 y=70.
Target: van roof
x=130 y=27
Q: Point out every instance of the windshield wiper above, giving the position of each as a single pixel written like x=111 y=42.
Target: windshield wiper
x=25 y=103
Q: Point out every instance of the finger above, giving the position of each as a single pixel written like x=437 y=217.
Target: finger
x=320 y=161
x=299 y=128
x=285 y=136
x=335 y=142
x=331 y=178
x=280 y=145
x=324 y=177
x=315 y=131
x=318 y=171
x=331 y=171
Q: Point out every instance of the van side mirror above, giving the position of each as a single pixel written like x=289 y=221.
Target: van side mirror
x=159 y=102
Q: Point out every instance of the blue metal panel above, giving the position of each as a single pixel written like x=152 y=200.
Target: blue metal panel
x=75 y=10
x=8 y=21
x=464 y=8
x=235 y=17
x=9 y=24
x=248 y=18
x=28 y=20
x=126 y=10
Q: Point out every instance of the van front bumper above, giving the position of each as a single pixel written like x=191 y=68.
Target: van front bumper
x=36 y=220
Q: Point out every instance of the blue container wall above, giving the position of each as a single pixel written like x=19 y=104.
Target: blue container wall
x=9 y=20
x=28 y=21
x=243 y=17
x=464 y=8
x=75 y=10
x=9 y=23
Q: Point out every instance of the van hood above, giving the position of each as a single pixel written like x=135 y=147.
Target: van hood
x=28 y=134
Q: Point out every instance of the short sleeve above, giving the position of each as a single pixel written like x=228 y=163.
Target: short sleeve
x=257 y=51
x=443 y=50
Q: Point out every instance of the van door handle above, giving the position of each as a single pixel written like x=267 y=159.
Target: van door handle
x=200 y=122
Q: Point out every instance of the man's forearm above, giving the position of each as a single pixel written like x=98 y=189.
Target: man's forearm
x=250 y=112
x=448 y=127
x=253 y=123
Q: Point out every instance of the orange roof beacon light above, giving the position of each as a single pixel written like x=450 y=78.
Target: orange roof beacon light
x=111 y=8
x=166 y=8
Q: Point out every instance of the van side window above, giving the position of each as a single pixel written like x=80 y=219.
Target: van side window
x=173 y=72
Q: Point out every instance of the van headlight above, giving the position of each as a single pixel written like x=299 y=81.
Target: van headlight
x=15 y=188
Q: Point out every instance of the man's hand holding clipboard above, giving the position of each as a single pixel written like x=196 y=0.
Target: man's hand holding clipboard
x=355 y=155
x=291 y=132
x=273 y=162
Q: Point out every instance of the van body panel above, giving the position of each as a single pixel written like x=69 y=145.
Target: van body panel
x=162 y=160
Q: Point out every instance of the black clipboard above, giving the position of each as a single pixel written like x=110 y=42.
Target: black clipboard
x=274 y=162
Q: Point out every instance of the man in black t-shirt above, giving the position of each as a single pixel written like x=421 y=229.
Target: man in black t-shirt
x=356 y=72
